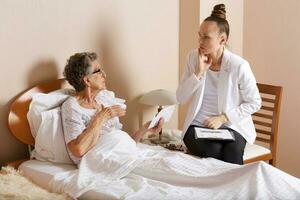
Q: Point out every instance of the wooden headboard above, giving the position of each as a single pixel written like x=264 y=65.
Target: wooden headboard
x=17 y=117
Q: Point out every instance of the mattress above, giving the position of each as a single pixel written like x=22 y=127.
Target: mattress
x=41 y=173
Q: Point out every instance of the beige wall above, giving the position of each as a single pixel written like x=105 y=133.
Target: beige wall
x=138 y=40
x=272 y=45
x=188 y=40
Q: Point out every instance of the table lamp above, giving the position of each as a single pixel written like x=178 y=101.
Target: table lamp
x=160 y=98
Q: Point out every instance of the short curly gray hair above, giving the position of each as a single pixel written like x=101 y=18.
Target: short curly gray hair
x=77 y=67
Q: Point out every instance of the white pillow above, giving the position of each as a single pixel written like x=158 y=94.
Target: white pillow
x=50 y=143
x=46 y=127
x=42 y=102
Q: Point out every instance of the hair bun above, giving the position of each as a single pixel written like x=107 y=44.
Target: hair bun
x=219 y=11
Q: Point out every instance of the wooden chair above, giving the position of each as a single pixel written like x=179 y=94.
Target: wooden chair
x=266 y=122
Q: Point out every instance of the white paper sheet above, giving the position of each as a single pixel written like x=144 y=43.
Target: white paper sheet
x=121 y=103
x=219 y=134
x=165 y=113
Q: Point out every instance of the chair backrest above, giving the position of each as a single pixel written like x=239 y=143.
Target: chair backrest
x=17 y=117
x=266 y=120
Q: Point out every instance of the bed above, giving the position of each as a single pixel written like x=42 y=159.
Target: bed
x=173 y=175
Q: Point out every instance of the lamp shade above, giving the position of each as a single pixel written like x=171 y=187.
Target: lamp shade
x=159 y=97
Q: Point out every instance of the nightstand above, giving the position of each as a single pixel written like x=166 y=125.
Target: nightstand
x=171 y=140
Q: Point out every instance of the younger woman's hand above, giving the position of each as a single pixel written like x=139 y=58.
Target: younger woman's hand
x=205 y=62
x=215 y=122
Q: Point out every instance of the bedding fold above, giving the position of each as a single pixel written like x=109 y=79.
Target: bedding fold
x=122 y=169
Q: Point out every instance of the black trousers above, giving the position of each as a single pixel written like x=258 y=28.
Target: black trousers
x=228 y=151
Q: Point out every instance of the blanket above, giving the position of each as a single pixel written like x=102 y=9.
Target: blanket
x=15 y=186
x=119 y=169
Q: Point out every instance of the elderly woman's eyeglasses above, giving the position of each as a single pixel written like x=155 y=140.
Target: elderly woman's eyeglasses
x=99 y=71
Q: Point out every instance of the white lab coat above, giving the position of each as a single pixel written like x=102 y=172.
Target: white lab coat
x=238 y=95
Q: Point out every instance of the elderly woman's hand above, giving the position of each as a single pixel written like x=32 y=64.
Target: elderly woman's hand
x=107 y=113
x=140 y=133
x=157 y=128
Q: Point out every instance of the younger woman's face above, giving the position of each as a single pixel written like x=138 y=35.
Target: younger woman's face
x=210 y=39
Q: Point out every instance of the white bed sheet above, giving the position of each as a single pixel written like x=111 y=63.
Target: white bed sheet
x=136 y=187
x=41 y=173
x=119 y=169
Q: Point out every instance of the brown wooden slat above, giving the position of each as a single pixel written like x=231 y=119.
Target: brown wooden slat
x=263 y=140
x=267 y=108
x=263 y=115
x=263 y=131
x=269 y=89
x=268 y=100
x=264 y=157
x=262 y=123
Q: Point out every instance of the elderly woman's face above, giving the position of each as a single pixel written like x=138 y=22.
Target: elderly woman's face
x=97 y=76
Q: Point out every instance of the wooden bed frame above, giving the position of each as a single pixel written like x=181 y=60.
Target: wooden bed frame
x=17 y=117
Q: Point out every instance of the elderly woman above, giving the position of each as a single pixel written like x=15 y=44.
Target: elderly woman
x=92 y=111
